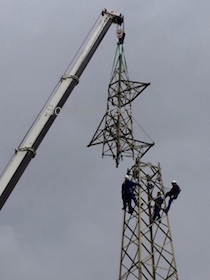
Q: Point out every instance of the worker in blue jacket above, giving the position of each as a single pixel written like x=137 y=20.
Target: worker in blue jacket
x=128 y=194
x=173 y=194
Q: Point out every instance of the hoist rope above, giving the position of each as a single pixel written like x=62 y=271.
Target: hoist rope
x=126 y=67
x=123 y=60
x=82 y=44
x=114 y=61
x=143 y=129
x=43 y=108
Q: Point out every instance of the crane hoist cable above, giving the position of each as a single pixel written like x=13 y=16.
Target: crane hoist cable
x=83 y=43
x=67 y=68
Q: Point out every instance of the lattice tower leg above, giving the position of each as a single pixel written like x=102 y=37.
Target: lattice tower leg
x=147 y=249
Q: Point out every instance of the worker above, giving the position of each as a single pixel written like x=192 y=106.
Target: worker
x=128 y=194
x=173 y=194
x=157 y=207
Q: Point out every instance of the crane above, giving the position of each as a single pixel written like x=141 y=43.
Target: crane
x=146 y=248
x=30 y=143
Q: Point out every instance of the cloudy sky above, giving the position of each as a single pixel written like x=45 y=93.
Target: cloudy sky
x=64 y=218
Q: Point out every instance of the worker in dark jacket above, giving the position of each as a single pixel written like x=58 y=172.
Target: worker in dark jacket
x=128 y=194
x=157 y=207
x=173 y=194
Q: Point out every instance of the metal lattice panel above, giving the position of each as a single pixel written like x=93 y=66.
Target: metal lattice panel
x=147 y=250
x=115 y=132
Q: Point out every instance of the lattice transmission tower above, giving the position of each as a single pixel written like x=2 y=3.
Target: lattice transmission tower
x=147 y=250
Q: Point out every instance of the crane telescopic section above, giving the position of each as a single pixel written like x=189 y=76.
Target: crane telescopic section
x=28 y=147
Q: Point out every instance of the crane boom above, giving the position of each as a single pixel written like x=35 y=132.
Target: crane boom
x=27 y=149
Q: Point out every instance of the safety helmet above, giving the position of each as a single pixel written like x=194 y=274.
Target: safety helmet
x=126 y=177
x=173 y=182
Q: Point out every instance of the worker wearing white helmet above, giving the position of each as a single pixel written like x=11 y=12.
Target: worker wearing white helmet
x=127 y=177
x=173 y=194
x=128 y=194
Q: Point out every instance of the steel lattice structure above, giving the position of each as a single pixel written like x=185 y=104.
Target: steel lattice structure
x=147 y=249
x=115 y=131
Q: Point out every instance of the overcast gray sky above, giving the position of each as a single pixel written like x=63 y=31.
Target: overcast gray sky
x=64 y=218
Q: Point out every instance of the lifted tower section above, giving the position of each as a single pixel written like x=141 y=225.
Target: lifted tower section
x=115 y=131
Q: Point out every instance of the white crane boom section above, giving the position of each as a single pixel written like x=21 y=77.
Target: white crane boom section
x=27 y=149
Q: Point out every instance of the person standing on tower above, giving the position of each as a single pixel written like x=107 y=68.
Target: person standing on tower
x=128 y=194
x=157 y=207
x=173 y=194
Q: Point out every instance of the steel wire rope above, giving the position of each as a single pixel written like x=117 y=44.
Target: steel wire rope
x=56 y=86
x=126 y=66
x=118 y=46
x=143 y=130
x=82 y=44
x=113 y=63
